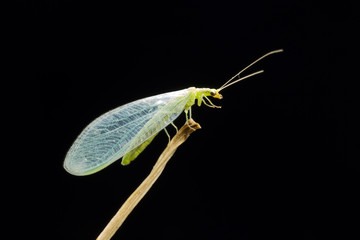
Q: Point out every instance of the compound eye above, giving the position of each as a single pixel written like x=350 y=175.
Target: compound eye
x=212 y=92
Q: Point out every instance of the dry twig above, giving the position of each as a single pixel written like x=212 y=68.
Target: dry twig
x=144 y=187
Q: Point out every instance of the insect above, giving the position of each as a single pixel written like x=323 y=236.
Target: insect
x=127 y=130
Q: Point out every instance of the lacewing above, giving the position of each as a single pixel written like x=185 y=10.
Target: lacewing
x=126 y=131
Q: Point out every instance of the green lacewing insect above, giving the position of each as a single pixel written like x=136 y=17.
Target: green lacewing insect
x=126 y=131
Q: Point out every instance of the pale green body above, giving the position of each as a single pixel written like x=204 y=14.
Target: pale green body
x=127 y=130
x=194 y=94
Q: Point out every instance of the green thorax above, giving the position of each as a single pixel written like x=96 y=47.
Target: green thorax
x=199 y=94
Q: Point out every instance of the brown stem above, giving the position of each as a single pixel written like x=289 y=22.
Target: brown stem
x=144 y=187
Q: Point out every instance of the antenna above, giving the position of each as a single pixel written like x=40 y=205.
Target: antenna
x=228 y=83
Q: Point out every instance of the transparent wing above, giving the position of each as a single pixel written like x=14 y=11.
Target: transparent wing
x=116 y=132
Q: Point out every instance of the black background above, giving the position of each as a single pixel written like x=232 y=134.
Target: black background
x=273 y=163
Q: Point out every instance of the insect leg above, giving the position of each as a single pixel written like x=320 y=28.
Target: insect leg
x=186 y=115
x=167 y=134
x=207 y=104
x=174 y=127
x=211 y=104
